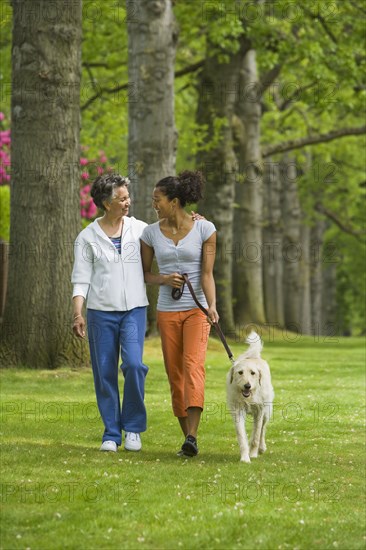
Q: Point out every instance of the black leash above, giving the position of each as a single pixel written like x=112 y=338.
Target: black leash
x=177 y=294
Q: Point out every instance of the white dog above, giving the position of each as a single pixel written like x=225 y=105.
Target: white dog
x=249 y=391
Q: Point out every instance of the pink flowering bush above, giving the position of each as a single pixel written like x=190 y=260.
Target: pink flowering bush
x=90 y=169
x=4 y=152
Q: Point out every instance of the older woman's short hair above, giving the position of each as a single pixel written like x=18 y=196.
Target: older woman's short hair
x=103 y=188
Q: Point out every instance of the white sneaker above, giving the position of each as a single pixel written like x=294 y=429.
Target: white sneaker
x=109 y=446
x=132 y=442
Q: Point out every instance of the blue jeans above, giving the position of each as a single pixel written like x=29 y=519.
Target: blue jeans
x=108 y=332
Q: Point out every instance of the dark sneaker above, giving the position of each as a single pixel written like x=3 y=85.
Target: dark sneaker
x=183 y=454
x=189 y=447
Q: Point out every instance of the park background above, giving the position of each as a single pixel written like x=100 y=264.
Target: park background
x=267 y=99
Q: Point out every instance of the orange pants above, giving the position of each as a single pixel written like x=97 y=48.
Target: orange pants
x=184 y=337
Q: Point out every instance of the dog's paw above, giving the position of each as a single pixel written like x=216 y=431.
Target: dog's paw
x=262 y=450
x=245 y=458
x=253 y=450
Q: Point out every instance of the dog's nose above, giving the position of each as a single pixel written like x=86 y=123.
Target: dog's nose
x=247 y=386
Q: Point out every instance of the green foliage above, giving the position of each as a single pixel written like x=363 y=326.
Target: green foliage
x=5 y=54
x=104 y=57
x=321 y=86
x=4 y=212
x=201 y=138
x=306 y=491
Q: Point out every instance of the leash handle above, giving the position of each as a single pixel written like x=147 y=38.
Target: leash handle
x=177 y=294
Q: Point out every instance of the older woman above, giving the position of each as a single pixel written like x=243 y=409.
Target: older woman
x=108 y=274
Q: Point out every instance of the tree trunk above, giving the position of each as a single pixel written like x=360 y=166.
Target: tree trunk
x=306 y=263
x=248 y=222
x=152 y=38
x=218 y=89
x=305 y=278
x=292 y=252
x=332 y=324
x=45 y=217
x=272 y=245
x=316 y=254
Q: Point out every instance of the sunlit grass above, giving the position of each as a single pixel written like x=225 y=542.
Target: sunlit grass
x=59 y=491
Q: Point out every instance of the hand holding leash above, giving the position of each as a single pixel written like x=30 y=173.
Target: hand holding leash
x=177 y=294
x=176 y=281
x=212 y=315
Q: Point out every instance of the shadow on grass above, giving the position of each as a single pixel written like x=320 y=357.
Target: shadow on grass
x=91 y=452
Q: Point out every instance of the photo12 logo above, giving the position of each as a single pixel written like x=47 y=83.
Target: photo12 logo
x=70 y=491
x=255 y=491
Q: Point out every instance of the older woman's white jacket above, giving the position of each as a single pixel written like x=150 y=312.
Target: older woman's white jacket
x=108 y=280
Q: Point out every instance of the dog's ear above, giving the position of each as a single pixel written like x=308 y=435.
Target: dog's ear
x=231 y=375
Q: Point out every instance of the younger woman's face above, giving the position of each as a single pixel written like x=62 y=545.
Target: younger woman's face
x=161 y=204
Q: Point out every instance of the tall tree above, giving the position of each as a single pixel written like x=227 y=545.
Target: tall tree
x=45 y=214
x=152 y=40
x=218 y=87
x=248 y=219
x=273 y=245
x=152 y=136
x=317 y=275
x=291 y=244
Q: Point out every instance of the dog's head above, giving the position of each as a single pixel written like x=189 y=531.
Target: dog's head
x=246 y=376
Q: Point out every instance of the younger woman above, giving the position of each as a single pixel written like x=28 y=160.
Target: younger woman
x=182 y=245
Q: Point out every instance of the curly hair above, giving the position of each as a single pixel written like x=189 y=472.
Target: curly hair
x=103 y=188
x=187 y=187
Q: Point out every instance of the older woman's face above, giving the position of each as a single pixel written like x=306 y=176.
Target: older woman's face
x=120 y=204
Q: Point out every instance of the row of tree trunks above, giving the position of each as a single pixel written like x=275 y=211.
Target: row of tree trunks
x=299 y=284
x=265 y=267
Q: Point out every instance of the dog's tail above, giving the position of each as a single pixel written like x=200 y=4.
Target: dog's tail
x=255 y=346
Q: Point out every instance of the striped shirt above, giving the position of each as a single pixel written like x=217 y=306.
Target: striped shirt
x=117 y=243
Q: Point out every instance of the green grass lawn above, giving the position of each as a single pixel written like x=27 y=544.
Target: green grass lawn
x=307 y=491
